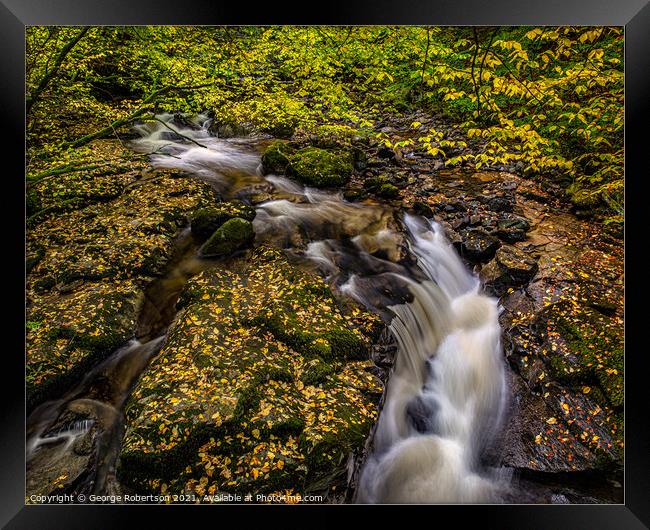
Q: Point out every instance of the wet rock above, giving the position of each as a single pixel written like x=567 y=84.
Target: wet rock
x=452 y=235
x=388 y=191
x=275 y=157
x=512 y=229
x=533 y=438
x=228 y=129
x=234 y=234
x=320 y=168
x=583 y=349
x=421 y=412
x=477 y=245
x=181 y=120
x=384 y=355
x=510 y=267
x=501 y=204
x=354 y=194
x=205 y=221
x=382 y=187
x=462 y=222
x=423 y=209
x=386 y=152
x=360 y=159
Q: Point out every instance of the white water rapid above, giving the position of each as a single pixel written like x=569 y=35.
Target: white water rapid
x=445 y=393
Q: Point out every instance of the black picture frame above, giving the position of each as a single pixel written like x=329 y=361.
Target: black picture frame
x=633 y=14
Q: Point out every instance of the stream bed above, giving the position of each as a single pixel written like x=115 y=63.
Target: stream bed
x=446 y=392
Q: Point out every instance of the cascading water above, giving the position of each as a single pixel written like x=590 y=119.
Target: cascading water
x=189 y=147
x=445 y=393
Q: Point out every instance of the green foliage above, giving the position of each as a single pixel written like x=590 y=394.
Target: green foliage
x=550 y=98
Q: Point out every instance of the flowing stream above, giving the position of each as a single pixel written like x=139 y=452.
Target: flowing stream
x=445 y=393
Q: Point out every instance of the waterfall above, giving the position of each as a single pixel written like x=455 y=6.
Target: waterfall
x=445 y=393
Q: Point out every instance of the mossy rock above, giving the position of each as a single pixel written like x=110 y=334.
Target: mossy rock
x=205 y=221
x=586 y=349
x=320 y=168
x=275 y=157
x=388 y=191
x=423 y=209
x=382 y=187
x=354 y=194
x=33 y=203
x=374 y=183
x=233 y=235
x=317 y=373
x=75 y=334
x=225 y=406
x=582 y=198
x=228 y=129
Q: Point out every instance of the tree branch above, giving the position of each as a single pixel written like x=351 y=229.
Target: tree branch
x=49 y=74
x=426 y=56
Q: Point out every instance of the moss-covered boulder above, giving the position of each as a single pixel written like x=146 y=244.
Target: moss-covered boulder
x=320 y=168
x=130 y=236
x=388 y=191
x=68 y=335
x=275 y=157
x=234 y=405
x=585 y=347
x=234 y=234
x=317 y=372
x=88 y=268
x=205 y=221
x=382 y=187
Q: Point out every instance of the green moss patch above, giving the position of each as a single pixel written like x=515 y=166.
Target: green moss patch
x=250 y=390
x=234 y=234
x=320 y=168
